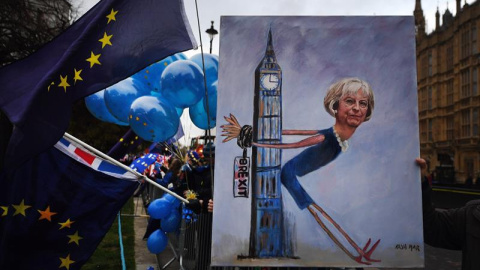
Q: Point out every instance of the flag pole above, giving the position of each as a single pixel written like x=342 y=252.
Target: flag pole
x=110 y=159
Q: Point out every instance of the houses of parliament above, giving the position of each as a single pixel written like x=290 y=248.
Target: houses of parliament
x=448 y=66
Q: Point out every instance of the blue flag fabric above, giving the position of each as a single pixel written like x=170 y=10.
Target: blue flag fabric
x=57 y=207
x=127 y=144
x=112 y=41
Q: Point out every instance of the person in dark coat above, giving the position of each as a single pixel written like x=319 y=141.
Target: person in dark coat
x=455 y=229
x=199 y=180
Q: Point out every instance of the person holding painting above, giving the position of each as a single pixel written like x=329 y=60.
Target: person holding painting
x=455 y=229
x=351 y=102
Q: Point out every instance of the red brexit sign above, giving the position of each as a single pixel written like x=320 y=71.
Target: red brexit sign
x=241 y=176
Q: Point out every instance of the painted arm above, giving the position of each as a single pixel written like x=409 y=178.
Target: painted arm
x=303 y=143
x=233 y=129
x=299 y=132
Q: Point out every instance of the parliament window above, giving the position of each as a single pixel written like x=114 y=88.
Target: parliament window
x=475 y=122
x=465 y=83
x=450 y=124
x=424 y=67
x=423 y=99
x=450 y=57
x=450 y=92
x=430 y=130
x=423 y=130
x=430 y=94
x=474 y=82
x=430 y=64
x=466 y=123
x=439 y=100
x=465 y=44
x=474 y=39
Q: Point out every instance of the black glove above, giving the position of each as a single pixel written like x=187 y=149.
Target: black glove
x=194 y=205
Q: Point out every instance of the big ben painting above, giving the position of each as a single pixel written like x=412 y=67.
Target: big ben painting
x=266 y=235
x=325 y=110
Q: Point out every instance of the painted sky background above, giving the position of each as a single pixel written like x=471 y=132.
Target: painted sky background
x=209 y=10
x=372 y=190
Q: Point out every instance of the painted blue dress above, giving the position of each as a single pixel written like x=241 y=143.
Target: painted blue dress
x=309 y=160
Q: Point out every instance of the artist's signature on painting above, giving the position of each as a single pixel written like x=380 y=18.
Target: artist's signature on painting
x=408 y=247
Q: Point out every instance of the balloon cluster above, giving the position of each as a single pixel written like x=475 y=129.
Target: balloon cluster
x=167 y=209
x=152 y=100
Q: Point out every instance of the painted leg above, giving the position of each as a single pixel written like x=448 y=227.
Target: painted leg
x=334 y=239
x=365 y=253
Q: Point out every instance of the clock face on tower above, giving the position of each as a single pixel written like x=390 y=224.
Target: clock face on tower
x=269 y=81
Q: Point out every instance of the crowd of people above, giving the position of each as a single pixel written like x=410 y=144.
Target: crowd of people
x=189 y=176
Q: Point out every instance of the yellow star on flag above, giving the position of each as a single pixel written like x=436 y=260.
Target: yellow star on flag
x=53 y=83
x=111 y=16
x=66 y=262
x=93 y=59
x=77 y=76
x=5 y=210
x=66 y=224
x=20 y=208
x=46 y=214
x=74 y=238
x=63 y=83
x=106 y=40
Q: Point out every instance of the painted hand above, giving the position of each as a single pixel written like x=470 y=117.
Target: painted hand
x=232 y=129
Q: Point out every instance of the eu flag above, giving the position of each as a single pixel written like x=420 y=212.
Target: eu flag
x=57 y=207
x=112 y=41
x=127 y=144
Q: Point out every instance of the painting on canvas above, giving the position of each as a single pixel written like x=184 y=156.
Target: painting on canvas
x=319 y=125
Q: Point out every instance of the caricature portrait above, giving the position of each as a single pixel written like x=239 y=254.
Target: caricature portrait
x=320 y=127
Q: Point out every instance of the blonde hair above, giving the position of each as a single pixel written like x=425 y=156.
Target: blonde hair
x=348 y=86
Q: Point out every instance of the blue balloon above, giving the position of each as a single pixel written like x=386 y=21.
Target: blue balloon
x=153 y=119
x=172 y=222
x=212 y=101
x=120 y=96
x=182 y=83
x=180 y=56
x=174 y=201
x=199 y=116
x=211 y=65
x=179 y=111
x=157 y=242
x=159 y=95
x=96 y=106
x=150 y=76
x=159 y=208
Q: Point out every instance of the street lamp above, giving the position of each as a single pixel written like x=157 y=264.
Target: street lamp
x=212 y=32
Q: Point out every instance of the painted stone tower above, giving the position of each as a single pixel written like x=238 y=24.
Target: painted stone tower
x=266 y=235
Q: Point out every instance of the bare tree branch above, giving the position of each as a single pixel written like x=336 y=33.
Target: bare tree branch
x=25 y=25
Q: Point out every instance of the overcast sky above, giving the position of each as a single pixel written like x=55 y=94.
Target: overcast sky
x=211 y=10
